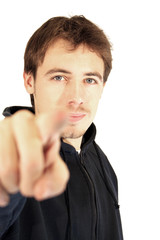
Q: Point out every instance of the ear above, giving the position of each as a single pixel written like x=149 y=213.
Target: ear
x=104 y=84
x=29 y=82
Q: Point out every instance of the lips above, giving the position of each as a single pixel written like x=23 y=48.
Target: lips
x=76 y=117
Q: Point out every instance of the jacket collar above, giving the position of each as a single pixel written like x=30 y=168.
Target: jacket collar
x=87 y=140
x=8 y=111
x=88 y=137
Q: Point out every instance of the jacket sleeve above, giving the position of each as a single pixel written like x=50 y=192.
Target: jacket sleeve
x=10 y=213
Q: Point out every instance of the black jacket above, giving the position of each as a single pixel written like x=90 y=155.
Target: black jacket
x=87 y=210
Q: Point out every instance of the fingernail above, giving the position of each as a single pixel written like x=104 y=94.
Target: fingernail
x=46 y=194
x=4 y=200
x=42 y=196
x=39 y=193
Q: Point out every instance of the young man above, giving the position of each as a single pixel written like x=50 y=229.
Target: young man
x=66 y=64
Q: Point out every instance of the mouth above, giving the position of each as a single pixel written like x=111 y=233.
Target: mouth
x=76 y=117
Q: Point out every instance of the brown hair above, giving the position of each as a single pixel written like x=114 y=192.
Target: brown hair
x=77 y=30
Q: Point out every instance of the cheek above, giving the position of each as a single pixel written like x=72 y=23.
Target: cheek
x=48 y=97
x=93 y=105
x=95 y=98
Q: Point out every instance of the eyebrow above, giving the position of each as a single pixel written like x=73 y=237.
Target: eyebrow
x=95 y=74
x=61 y=70
x=55 y=70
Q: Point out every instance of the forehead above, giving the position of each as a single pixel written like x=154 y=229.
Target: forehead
x=67 y=46
x=63 y=51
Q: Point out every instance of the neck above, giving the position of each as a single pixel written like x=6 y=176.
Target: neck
x=75 y=142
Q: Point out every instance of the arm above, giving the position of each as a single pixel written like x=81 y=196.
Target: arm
x=30 y=164
x=10 y=213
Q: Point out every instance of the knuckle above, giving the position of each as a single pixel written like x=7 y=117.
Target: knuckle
x=22 y=114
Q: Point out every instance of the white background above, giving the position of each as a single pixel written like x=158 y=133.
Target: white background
x=128 y=119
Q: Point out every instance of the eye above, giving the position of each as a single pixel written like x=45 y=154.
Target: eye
x=58 y=78
x=91 y=81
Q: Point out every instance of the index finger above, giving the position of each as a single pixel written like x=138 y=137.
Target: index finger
x=51 y=125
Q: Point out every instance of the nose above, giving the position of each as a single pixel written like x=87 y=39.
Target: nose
x=75 y=95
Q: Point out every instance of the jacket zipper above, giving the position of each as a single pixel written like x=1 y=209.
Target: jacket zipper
x=93 y=193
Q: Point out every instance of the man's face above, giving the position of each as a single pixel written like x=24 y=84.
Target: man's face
x=71 y=80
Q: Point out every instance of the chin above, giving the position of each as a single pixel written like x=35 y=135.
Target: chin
x=73 y=132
